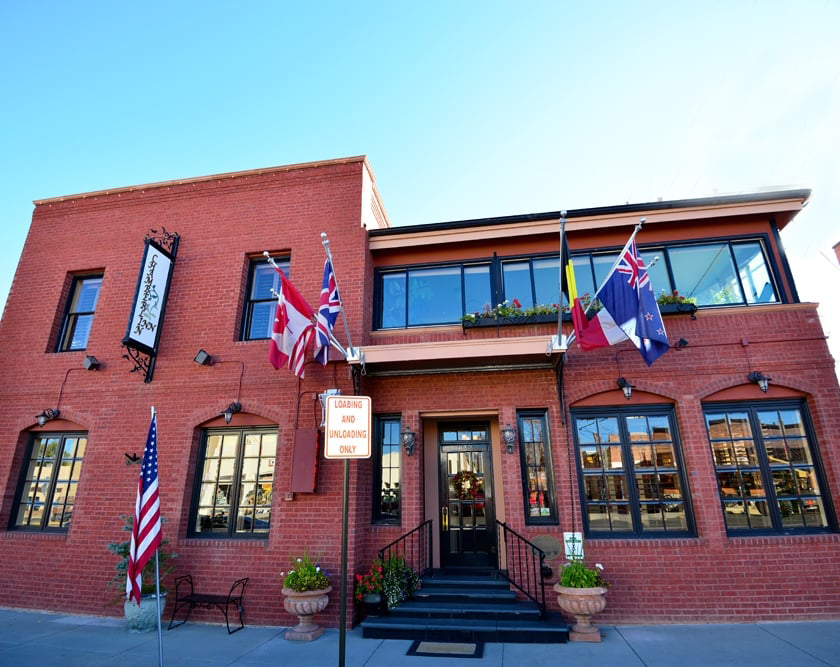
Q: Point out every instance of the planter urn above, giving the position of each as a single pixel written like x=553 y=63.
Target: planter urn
x=304 y=605
x=143 y=617
x=582 y=603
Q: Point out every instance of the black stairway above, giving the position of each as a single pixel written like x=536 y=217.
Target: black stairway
x=467 y=606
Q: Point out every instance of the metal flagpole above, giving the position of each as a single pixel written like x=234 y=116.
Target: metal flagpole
x=157 y=594
x=326 y=243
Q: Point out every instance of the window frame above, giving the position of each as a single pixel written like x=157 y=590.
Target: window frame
x=236 y=484
x=49 y=499
x=70 y=318
x=378 y=517
x=621 y=413
x=778 y=528
x=550 y=493
x=284 y=262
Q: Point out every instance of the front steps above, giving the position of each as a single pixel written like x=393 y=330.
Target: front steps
x=466 y=607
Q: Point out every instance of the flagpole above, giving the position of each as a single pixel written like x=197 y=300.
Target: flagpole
x=615 y=263
x=326 y=243
x=157 y=595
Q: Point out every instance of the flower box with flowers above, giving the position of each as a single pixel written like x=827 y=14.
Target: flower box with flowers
x=368 y=590
x=510 y=313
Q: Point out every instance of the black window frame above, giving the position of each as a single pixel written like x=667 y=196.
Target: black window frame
x=49 y=498
x=773 y=501
x=284 y=262
x=234 y=502
x=70 y=319
x=622 y=413
x=383 y=425
x=549 y=493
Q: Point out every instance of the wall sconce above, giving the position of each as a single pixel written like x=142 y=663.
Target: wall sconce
x=760 y=379
x=91 y=363
x=323 y=398
x=203 y=358
x=626 y=387
x=409 y=441
x=46 y=415
x=509 y=437
x=231 y=410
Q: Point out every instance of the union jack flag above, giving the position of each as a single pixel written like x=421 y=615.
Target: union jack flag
x=632 y=265
x=145 y=530
x=327 y=314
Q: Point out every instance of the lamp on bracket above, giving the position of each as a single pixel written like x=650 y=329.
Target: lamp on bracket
x=409 y=440
x=625 y=386
x=46 y=415
x=91 y=363
x=203 y=358
x=231 y=410
x=509 y=437
x=760 y=379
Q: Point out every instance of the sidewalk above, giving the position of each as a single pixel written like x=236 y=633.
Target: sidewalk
x=39 y=638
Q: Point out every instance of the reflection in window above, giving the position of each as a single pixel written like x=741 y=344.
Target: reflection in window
x=387 y=471
x=84 y=293
x=633 y=483
x=50 y=480
x=537 y=468
x=766 y=470
x=261 y=304
x=236 y=483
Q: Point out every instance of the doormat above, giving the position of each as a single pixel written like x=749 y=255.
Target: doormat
x=446 y=649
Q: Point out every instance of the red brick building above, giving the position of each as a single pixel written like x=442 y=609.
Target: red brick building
x=707 y=494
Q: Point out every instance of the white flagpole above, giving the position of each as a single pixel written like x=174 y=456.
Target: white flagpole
x=615 y=263
x=157 y=590
x=350 y=348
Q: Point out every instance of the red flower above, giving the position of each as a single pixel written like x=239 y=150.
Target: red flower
x=516 y=303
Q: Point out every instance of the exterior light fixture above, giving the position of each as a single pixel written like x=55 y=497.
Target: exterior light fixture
x=626 y=387
x=323 y=398
x=203 y=358
x=46 y=415
x=91 y=363
x=231 y=410
x=760 y=379
x=409 y=441
x=509 y=437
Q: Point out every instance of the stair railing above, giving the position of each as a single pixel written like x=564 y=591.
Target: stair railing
x=526 y=568
x=415 y=547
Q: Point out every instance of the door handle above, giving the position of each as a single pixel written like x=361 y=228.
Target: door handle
x=444 y=518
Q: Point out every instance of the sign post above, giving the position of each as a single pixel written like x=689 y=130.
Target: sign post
x=347 y=436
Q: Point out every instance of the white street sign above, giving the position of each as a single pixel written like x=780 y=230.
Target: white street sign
x=348 y=426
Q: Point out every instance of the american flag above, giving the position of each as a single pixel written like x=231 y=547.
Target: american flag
x=145 y=532
x=327 y=313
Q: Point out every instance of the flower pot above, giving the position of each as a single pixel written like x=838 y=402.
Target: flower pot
x=373 y=604
x=304 y=605
x=143 y=617
x=582 y=603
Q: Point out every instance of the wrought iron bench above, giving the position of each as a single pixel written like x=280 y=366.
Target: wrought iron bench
x=185 y=596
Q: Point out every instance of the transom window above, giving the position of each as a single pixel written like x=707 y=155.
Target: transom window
x=537 y=469
x=235 y=483
x=631 y=476
x=387 y=471
x=261 y=304
x=47 y=492
x=75 y=329
x=766 y=465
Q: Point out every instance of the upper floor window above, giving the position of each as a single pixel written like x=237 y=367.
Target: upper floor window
x=47 y=491
x=235 y=483
x=261 y=303
x=767 y=468
x=713 y=274
x=75 y=329
x=387 y=464
x=537 y=469
x=632 y=478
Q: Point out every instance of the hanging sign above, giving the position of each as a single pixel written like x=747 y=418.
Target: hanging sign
x=348 y=425
x=573 y=543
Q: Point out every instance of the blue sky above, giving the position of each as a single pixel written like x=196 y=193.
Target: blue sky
x=464 y=109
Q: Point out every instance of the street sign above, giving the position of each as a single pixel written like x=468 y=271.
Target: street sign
x=348 y=427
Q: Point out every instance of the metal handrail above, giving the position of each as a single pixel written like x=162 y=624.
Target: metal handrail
x=415 y=547
x=525 y=565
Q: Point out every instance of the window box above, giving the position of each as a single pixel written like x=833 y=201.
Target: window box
x=676 y=308
x=513 y=320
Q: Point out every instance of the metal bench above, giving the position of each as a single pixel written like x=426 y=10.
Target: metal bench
x=185 y=596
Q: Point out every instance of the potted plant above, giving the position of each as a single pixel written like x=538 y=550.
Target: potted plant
x=368 y=589
x=142 y=617
x=399 y=581
x=581 y=592
x=305 y=588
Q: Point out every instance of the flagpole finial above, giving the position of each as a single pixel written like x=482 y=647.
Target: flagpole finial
x=266 y=254
x=323 y=236
x=562 y=214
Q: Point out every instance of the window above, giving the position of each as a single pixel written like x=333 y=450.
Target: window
x=714 y=274
x=47 y=491
x=631 y=475
x=537 y=470
x=235 y=483
x=84 y=293
x=534 y=281
x=767 y=470
x=387 y=471
x=261 y=304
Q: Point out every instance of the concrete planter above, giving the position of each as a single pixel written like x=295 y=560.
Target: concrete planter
x=582 y=603
x=304 y=605
x=143 y=617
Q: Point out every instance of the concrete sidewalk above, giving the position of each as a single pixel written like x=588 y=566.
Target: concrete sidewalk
x=40 y=638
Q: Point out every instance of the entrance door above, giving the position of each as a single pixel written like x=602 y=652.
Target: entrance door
x=467 y=520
